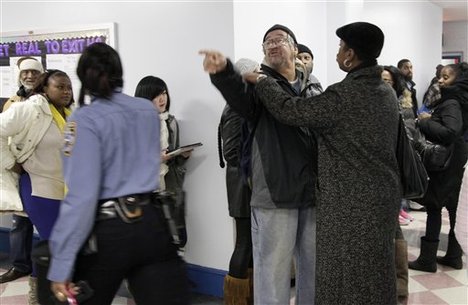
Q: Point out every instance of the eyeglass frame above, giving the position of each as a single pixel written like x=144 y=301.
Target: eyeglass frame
x=280 y=41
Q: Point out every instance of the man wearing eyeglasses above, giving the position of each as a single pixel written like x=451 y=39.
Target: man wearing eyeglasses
x=283 y=166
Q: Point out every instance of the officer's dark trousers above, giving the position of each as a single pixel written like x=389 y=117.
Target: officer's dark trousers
x=143 y=253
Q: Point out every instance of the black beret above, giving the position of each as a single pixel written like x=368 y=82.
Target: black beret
x=304 y=49
x=365 y=38
x=282 y=28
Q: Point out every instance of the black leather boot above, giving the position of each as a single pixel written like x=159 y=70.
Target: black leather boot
x=427 y=257
x=453 y=257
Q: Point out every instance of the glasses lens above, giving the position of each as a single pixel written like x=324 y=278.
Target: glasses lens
x=271 y=43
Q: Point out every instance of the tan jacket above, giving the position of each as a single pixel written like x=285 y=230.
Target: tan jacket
x=11 y=100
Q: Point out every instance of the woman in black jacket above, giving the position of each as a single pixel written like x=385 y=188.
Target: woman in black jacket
x=446 y=125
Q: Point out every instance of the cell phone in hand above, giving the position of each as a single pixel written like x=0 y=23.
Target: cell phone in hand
x=85 y=292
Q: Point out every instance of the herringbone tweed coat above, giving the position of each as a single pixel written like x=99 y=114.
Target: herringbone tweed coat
x=358 y=183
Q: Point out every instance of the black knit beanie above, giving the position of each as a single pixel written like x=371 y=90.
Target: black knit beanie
x=282 y=28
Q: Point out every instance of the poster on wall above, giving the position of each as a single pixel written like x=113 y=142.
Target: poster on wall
x=58 y=48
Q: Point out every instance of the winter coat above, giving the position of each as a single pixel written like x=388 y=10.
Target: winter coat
x=359 y=191
x=27 y=124
x=445 y=126
x=283 y=157
x=23 y=125
x=410 y=86
x=176 y=175
x=238 y=191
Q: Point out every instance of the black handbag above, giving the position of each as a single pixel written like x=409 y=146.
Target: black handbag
x=413 y=175
x=436 y=157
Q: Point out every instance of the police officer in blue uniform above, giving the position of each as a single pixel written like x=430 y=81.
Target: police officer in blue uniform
x=109 y=228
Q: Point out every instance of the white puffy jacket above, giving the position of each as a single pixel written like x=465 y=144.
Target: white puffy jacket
x=26 y=123
x=22 y=126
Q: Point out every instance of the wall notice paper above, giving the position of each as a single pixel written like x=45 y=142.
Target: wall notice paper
x=184 y=148
x=58 y=48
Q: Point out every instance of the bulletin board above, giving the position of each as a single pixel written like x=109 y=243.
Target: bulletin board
x=56 y=48
x=452 y=57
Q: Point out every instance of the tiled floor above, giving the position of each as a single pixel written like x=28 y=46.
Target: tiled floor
x=447 y=286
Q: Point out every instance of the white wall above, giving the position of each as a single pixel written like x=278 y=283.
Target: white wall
x=163 y=39
x=456 y=37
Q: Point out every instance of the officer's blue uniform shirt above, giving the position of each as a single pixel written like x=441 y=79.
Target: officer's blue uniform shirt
x=111 y=149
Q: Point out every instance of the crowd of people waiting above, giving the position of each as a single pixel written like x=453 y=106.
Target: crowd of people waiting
x=307 y=167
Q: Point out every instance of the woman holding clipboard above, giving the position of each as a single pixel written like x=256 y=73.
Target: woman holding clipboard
x=172 y=170
x=173 y=157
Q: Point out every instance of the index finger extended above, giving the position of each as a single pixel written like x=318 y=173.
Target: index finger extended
x=206 y=51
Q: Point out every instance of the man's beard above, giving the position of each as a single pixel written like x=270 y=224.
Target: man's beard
x=279 y=63
x=409 y=77
x=26 y=86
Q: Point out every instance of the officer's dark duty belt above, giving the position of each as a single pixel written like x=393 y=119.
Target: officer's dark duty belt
x=128 y=208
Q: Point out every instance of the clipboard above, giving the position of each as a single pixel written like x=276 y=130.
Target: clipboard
x=184 y=148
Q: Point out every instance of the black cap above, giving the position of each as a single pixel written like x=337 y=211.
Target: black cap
x=304 y=49
x=282 y=28
x=365 y=38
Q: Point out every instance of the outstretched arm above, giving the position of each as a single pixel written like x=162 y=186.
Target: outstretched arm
x=238 y=94
x=317 y=111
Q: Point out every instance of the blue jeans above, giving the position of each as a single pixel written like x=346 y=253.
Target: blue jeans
x=278 y=235
x=21 y=235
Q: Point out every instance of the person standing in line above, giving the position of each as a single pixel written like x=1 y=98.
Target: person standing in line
x=172 y=170
x=392 y=76
x=283 y=169
x=306 y=56
x=358 y=176
x=406 y=68
x=445 y=125
x=238 y=283
x=111 y=150
x=21 y=234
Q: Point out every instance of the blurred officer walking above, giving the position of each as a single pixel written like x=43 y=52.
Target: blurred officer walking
x=109 y=228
